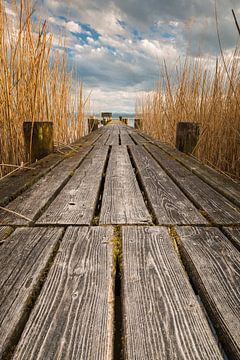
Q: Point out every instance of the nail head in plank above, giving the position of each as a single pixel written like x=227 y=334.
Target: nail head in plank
x=163 y=319
x=77 y=201
x=122 y=201
x=32 y=201
x=215 y=205
x=169 y=204
x=23 y=260
x=73 y=317
x=213 y=263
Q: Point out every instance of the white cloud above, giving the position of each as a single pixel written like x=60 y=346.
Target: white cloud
x=73 y=27
x=134 y=38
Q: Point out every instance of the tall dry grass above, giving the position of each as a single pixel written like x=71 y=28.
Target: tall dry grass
x=35 y=84
x=210 y=97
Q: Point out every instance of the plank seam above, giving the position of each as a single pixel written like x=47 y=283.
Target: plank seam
x=96 y=216
x=30 y=302
x=142 y=189
x=187 y=269
x=58 y=190
x=181 y=187
x=207 y=181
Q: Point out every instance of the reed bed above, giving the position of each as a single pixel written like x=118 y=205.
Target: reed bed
x=208 y=96
x=35 y=83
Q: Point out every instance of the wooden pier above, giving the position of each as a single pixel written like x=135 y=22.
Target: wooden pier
x=119 y=247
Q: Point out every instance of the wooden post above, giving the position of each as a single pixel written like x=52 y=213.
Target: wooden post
x=187 y=136
x=138 y=124
x=38 y=139
x=92 y=125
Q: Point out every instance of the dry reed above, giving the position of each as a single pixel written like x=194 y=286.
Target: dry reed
x=208 y=97
x=35 y=84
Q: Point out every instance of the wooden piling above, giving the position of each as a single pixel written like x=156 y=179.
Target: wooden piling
x=38 y=139
x=187 y=136
x=138 y=124
x=92 y=125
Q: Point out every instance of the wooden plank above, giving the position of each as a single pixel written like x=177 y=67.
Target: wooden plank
x=23 y=260
x=169 y=204
x=234 y=234
x=139 y=140
x=122 y=201
x=13 y=185
x=114 y=137
x=77 y=201
x=213 y=264
x=125 y=138
x=220 y=182
x=162 y=317
x=103 y=139
x=31 y=203
x=73 y=317
x=219 y=209
x=5 y=231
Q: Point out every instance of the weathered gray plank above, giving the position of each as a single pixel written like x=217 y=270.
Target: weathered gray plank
x=77 y=201
x=169 y=204
x=162 y=317
x=23 y=259
x=122 y=201
x=103 y=139
x=125 y=138
x=5 y=231
x=213 y=264
x=136 y=136
x=234 y=234
x=220 y=182
x=114 y=136
x=219 y=209
x=13 y=185
x=32 y=201
x=73 y=317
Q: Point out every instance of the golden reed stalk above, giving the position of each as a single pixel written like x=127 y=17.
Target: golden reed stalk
x=35 y=84
x=197 y=94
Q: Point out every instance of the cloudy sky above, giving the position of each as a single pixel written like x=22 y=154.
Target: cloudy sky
x=118 y=46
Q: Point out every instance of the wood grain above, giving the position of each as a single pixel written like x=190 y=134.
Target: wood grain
x=162 y=317
x=21 y=180
x=23 y=259
x=73 y=317
x=234 y=234
x=122 y=201
x=15 y=184
x=220 y=182
x=218 y=208
x=5 y=231
x=125 y=138
x=32 y=201
x=103 y=139
x=169 y=204
x=213 y=264
x=140 y=140
x=114 y=136
x=77 y=201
